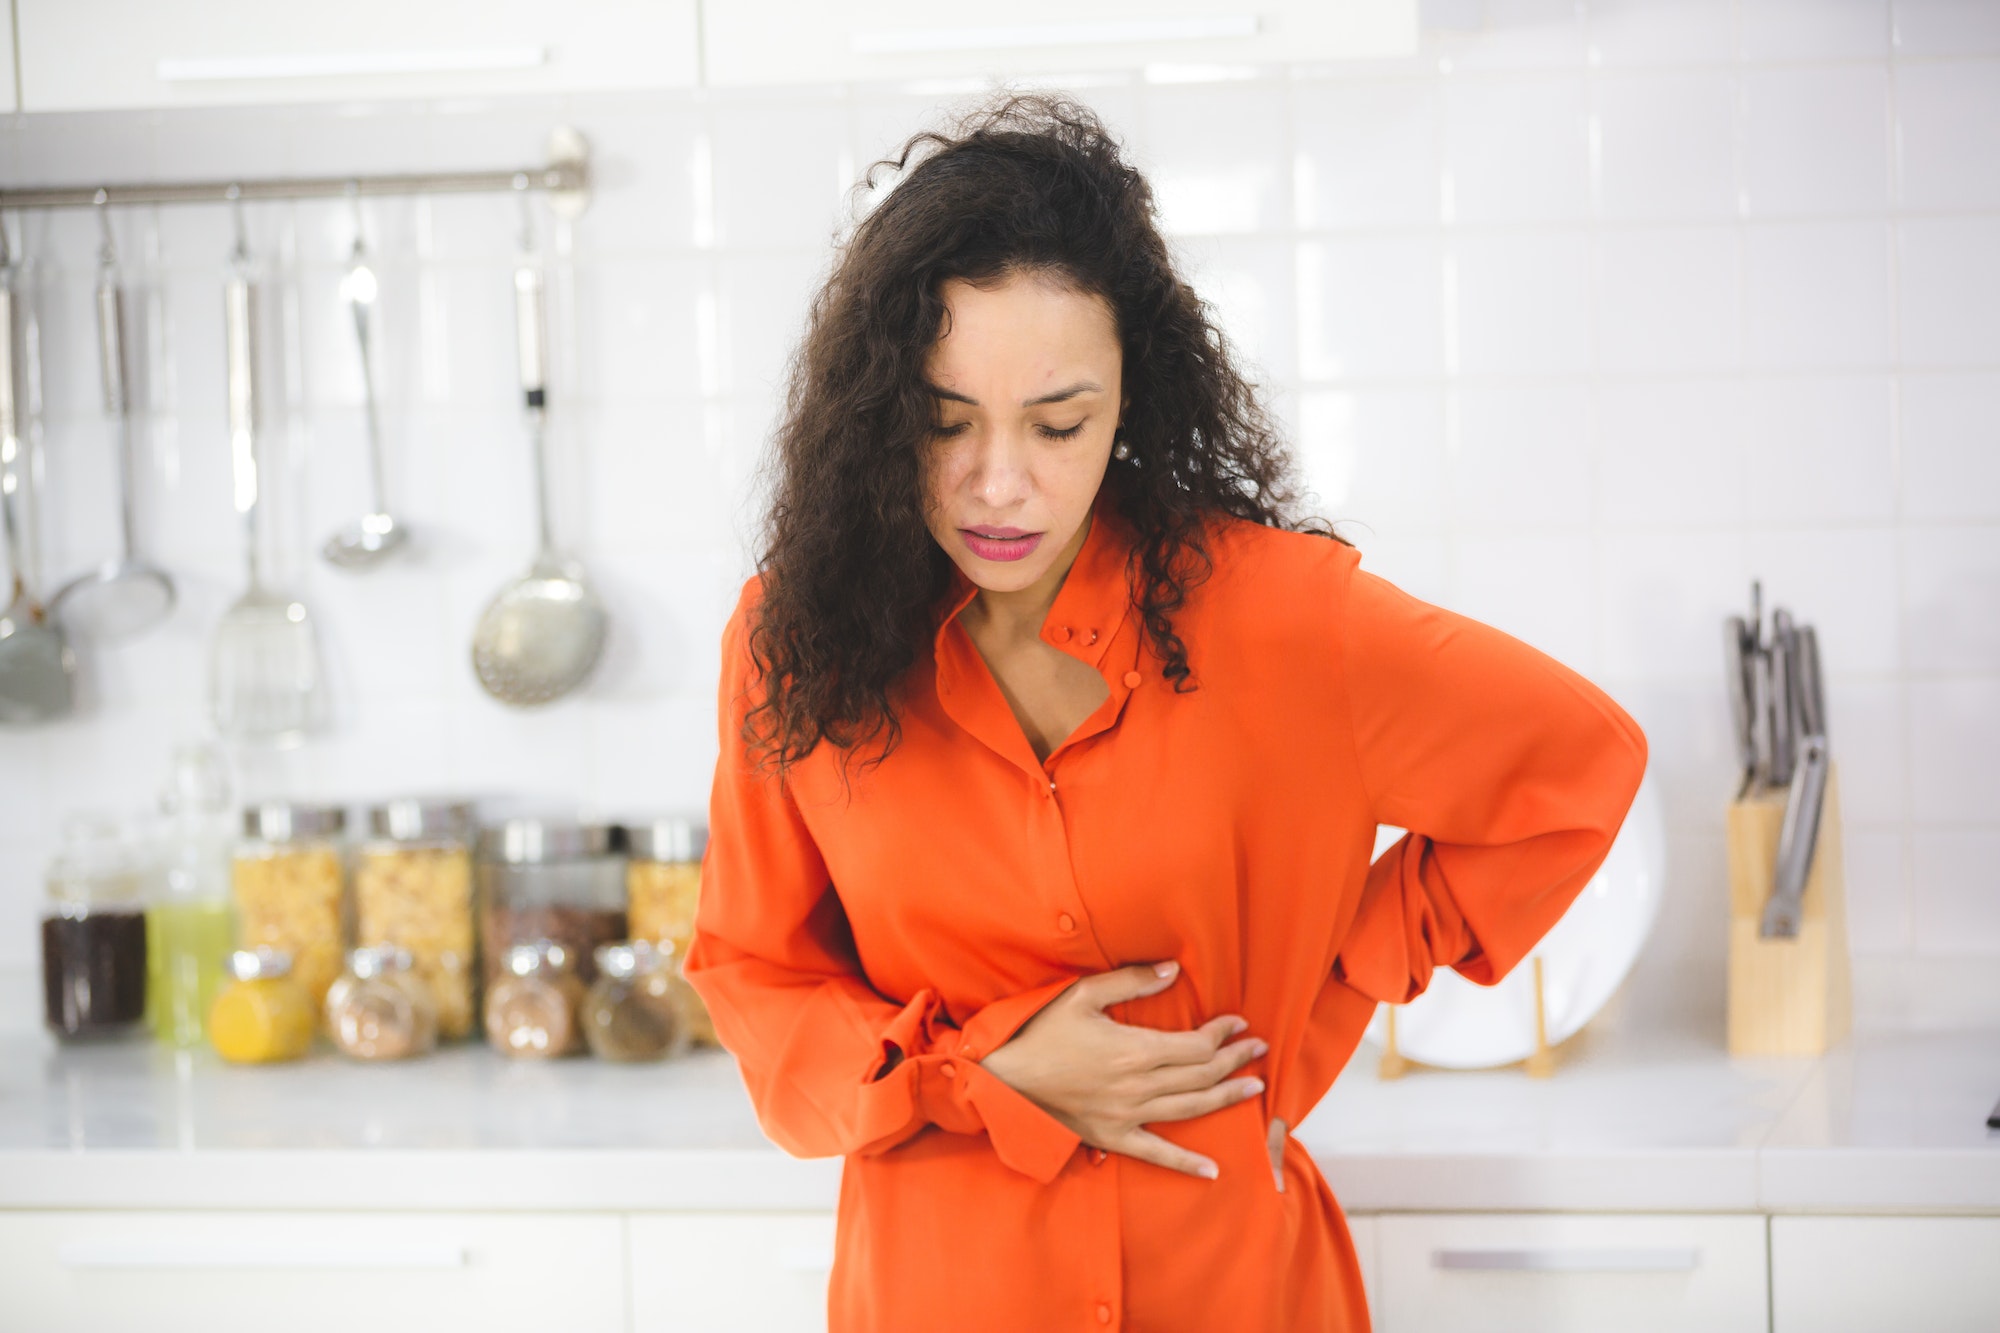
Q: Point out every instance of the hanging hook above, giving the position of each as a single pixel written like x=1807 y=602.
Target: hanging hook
x=107 y=254
x=521 y=184
x=235 y=196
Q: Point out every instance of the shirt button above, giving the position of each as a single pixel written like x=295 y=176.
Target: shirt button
x=1061 y=633
x=1132 y=679
x=1097 y=1156
x=1103 y=1312
x=947 y=1070
x=1093 y=637
x=1066 y=923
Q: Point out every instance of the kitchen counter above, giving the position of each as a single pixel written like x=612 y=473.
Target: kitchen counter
x=1655 y=1122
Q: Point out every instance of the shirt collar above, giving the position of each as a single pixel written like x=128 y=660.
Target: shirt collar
x=1094 y=597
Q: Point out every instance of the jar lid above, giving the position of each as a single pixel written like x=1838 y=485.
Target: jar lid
x=287 y=821
x=670 y=838
x=259 y=963
x=535 y=955
x=534 y=841
x=420 y=820
x=372 y=960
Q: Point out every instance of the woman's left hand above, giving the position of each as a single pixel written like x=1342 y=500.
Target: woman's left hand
x=1274 y=1139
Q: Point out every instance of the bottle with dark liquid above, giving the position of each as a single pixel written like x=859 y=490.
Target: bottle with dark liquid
x=94 y=934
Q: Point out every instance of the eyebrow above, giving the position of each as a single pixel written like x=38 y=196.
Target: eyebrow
x=1059 y=396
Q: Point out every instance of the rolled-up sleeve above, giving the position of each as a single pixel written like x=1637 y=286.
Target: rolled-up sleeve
x=831 y=1065
x=1512 y=773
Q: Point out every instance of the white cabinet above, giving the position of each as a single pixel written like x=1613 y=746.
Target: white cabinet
x=166 y=1272
x=96 y=54
x=9 y=94
x=1836 y=1274
x=1550 y=1273
x=832 y=41
x=725 y=1272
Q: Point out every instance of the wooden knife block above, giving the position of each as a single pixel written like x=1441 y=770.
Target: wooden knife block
x=1787 y=996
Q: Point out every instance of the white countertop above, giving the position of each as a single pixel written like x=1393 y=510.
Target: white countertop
x=1630 y=1122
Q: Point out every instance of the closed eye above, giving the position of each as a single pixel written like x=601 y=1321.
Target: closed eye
x=1060 y=433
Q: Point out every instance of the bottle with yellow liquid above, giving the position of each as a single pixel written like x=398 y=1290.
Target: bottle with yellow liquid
x=263 y=1014
x=190 y=922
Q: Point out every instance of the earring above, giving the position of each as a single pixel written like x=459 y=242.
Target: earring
x=1119 y=449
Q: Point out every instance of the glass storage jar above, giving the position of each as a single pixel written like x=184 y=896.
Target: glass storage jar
x=550 y=879
x=262 y=1013
x=413 y=889
x=663 y=888
x=535 y=1008
x=636 y=1009
x=289 y=879
x=380 y=1008
x=190 y=924
x=94 y=932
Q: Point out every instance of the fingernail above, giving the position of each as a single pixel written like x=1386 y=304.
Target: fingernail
x=1211 y=1170
x=1166 y=969
x=1260 y=1046
x=1238 y=1026
x=1252 y=1086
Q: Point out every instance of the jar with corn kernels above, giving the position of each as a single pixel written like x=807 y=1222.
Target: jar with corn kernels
x=288 y=877
x=663 y=888
x=413 y=890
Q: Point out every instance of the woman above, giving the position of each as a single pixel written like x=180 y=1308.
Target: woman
x=1041 y=685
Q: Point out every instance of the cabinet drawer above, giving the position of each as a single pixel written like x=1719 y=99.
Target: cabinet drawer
x=723 y=1272
x=90 y=1271
x=1831 y=1274
x=1546 y=1273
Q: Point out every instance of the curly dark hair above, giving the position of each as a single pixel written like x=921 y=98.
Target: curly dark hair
x=851 y=576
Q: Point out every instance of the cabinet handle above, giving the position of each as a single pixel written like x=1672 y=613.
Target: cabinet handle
x=252 y=1254
x=1106 y=32
x=1570 y=1261
x=333 y=64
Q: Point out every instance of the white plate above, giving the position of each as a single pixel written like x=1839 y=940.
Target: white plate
x=1459 y=1024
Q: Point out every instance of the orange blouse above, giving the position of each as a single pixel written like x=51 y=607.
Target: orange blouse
x=964 y=884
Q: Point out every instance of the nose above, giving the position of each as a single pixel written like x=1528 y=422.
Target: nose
x=999 y=473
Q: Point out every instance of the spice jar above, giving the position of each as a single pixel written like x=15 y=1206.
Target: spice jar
x=413 y=889
x=263 y=1013
x=94 y=933
x=535 y=1008
x=636 y=1009
x=190 y=925
x=550 y=879
x=663 y=887
x=379 y=1008
x=288 y=879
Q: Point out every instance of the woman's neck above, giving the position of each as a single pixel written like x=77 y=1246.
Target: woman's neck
x=1019 y=614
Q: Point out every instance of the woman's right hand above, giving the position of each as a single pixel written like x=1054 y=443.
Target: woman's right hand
x=1106 y=1079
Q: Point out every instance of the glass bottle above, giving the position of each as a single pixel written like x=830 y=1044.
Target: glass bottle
x=379 y=1008
x=413 y=889
x=636 y=1009
x=535 y=1008
x=262 y=1013
x=288 y=882
x=190 y=923
x=663 y=889
x=94 y=933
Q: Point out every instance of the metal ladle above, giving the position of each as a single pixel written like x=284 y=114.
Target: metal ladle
x=37 y=667
x=542 y=635
x=125 y=596
x=376 y=535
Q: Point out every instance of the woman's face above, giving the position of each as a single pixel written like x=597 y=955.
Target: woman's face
x=1027 y=376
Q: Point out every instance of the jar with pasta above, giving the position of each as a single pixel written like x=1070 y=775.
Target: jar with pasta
x=288 y=878
x=413 y=890
x=663 y=887
x=549 y=879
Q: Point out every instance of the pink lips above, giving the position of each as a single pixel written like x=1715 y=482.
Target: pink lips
x=1000 y=543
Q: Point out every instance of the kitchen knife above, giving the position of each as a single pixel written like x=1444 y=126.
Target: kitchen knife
x=1807 y=684
x=1798 y=835
x=1784 y=733
x=1736 y=665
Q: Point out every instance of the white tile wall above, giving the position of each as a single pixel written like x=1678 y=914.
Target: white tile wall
x=1581 y=320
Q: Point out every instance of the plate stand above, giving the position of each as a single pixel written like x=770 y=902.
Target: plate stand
x=1786 y=996
x=1540 y=1063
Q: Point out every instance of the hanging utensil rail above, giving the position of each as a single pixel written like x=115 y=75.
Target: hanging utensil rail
x=565 y=177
